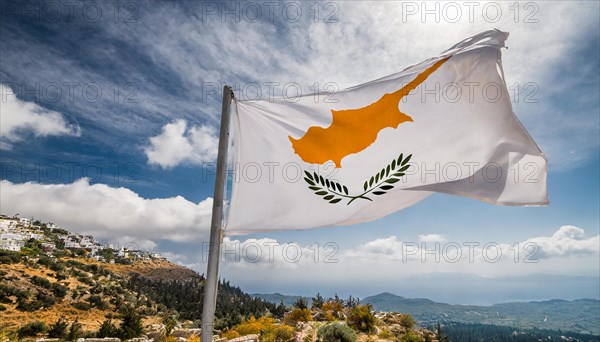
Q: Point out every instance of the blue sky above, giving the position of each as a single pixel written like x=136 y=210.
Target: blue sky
x=146 y=141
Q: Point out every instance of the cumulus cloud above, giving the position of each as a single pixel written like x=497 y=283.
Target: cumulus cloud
x=269 y=253
x=566 y=241
x=437 y=254
x=115 y=214
x=209 y=53
x=384 y=246
x=20 y=117
x=177 y=144
x=378 y=265
x=432 y=238
x=174 y=257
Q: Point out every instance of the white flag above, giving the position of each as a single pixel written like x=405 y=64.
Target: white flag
x=444 y=125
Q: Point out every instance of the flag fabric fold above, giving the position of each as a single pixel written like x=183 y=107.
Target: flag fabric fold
x=445 y=125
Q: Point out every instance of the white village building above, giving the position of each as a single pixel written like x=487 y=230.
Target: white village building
x=12 y=242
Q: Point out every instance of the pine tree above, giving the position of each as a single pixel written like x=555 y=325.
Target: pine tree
x=107 y=329
x=438 y=334
x=131 y=324
x=317 y=301
x=75 y=331
x=280 y=310
x=301 y=303
x=58 y=329
x=170 y=322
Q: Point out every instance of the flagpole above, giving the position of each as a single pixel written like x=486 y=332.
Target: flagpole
x=216 y=230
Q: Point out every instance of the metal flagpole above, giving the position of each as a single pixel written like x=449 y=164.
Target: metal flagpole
x=216 y=230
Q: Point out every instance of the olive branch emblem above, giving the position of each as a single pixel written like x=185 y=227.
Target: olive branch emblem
x=379 y=184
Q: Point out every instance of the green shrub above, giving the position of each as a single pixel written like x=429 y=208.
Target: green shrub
x=297 y=315
x=40 y=281
x=301 y=303
x=9 y=257
x=47 y=300
x=60 y=252
x=59 y=290
x=97 y=301
x=2 y=307
x=336 y=332
x=407 y=321
x=86 y=280
x=386 y=334
x=81 y=306
x=107 y=329
x=58 y=329
x=32 y=248
x=76 y=264
x=44 y=260
x=411 y=336
x=32 y=329
x=57 y=266
x=93 y=268
x=170 y=322
x=131 y=324
x=122 y=261
x=24 y=305
x=4 y=299
x=362 y=319
x=75 y=331
x=60 y=276
x=9 y=290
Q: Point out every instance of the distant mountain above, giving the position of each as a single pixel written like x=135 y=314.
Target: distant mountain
x=277 y=298
x=582 y=315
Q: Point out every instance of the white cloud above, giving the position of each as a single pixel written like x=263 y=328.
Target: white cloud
x=177 y=144
x=312 y=51
x=317 y=52
x=566 y=241
x=566 y=252
x=432 y=238
x=115 y=214
x=19 y=117
x=174 y=257
x=268 y=253
x=261 y=265
x=133 y=243
x=385 y=246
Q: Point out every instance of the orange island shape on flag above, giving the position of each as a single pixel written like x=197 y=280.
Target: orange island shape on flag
x=353 y=130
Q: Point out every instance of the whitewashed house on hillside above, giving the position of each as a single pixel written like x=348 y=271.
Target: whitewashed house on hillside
x=7 y=224
x=25 y=221
x=12 y=242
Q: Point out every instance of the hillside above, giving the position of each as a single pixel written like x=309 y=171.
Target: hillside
x=38 y=292
x=50 y=277
x=582 y=316
x=60 y=284
x=46 y=289
x=57 y=284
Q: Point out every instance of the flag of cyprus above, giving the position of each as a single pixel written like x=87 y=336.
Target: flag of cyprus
x=444 y=125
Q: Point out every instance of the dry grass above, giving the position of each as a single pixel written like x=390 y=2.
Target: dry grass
x=19 y=275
